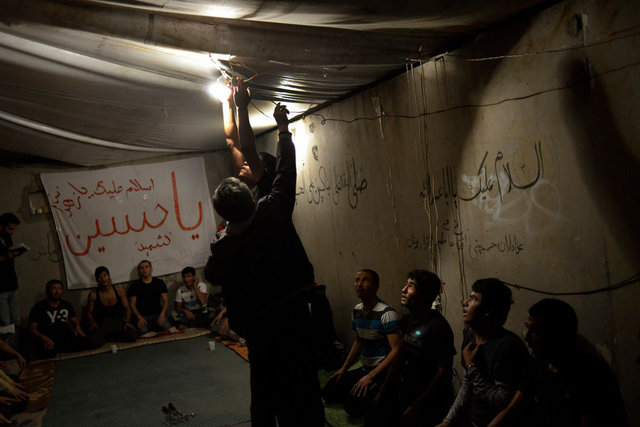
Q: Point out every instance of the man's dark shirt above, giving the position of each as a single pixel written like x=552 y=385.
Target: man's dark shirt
x=584 y=385
x=148 y=295
x=49 y=318
x=8 y=277
x=427 y=345
x=501 y=359
x=261 y=267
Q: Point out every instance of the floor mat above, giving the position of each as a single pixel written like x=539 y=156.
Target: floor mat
x=129 y=388
x=240 y=349
x=180 y=335
x=38 y=376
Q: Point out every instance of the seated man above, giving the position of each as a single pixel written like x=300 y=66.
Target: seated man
x=377 y=341
x=54 y=324
x=493 y=358
x=567 y=382
x=417 y=391
x=149 y=300
x=191 y=302
x=108 y=312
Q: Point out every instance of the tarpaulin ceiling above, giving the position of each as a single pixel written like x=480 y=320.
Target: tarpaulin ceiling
x=93 y=82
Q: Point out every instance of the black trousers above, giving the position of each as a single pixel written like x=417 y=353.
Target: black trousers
x=340 y=392
x=284 y=375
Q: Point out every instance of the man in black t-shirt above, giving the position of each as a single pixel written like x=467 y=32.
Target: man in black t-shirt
x=417 y=390
x=149 y=300
x=54 y=324
x=492 y=357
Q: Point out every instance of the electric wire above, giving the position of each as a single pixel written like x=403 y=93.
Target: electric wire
x=619 y=285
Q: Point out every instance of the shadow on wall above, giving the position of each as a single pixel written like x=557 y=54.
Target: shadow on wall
x=473 y=82
x=608 y=166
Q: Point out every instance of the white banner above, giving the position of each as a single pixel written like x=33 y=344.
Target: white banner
x=119 y=216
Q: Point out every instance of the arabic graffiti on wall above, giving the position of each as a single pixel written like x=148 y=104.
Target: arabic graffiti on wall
x=330 y=184
x=492 y=188
x=118 y=216
x=49 y=251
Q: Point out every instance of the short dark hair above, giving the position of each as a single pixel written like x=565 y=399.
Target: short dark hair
x=559 y=320
x=101 y=270
x=188 y=270
x=496 y=299
x=374 y=275
x=8 y=218
x=144 y=260
x=50 y=283
x=428 y=284
x=233 y=200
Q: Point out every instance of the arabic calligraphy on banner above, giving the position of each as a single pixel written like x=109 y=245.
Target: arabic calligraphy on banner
x=119 y=216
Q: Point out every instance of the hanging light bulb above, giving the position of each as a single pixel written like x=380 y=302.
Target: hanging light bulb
x=219 y=89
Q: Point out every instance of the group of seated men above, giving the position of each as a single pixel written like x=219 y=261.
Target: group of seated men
x=112 y=315
x=407 y=363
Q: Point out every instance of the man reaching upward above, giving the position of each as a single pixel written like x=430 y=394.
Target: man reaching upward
x=264 y=273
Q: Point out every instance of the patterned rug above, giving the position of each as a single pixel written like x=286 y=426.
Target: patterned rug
x=38 y=376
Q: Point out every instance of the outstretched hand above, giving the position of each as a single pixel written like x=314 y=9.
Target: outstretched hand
x=280 y=114
x=242 y=94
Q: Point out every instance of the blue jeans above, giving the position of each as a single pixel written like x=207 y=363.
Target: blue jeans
x=152 y=324
x=9 y=308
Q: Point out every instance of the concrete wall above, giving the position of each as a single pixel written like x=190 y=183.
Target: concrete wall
x=44 y=261
x=522 y=166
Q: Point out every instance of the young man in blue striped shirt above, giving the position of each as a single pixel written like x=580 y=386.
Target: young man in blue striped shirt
x=377 y=341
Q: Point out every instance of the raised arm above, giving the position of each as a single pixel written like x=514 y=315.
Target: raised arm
x=231 y=134
x=283 y=190
x=245 y=133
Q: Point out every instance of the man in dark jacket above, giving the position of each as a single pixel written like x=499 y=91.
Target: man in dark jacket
x=265 y=275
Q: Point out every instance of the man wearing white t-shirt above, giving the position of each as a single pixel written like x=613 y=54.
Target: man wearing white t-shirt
x=191 y=302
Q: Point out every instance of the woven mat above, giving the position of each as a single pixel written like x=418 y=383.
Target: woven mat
x=38 y=376
x=180 y=335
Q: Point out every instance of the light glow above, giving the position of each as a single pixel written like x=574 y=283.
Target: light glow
x=219 y=90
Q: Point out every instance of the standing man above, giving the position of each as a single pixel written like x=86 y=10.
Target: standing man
x=493 y=358
x=417 y=391
x=377 y=342
x=9 y=307
x=265 y=273
x=149 y=300
x=54 y=323
x=191 y=301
